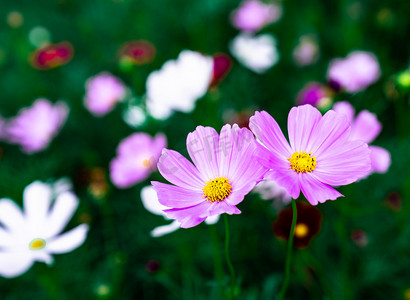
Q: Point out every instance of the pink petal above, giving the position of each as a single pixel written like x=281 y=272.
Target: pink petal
x=218 y=208
x=301 y=121
x=380 y=158
x=236 y=157
x=126 y=171
x=346 y=109
x=202 y=145
x=268 y=132
x=178 y=170
x=333 y=129
x=366 y=127
x=177 y=197
x=280 y=171
x=344 y=164
x=316 y=191
x=189 y=216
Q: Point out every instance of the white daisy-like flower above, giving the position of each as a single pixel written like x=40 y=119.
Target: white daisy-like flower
x=257 y=53
x=150 y=201
x=178 y=84
x=34 y=233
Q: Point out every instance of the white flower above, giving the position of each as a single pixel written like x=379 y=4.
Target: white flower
x=34 y=234
x=150 y=201
x=178 y=84
x=258 y=53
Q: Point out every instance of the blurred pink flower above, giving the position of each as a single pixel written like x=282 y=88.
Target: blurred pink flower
x=315 y=94
x=356 y=72
x=366 y=127
x=306 y=52
x=103 y=91
x=252 y=15
x=34 y=127
x=137 y=157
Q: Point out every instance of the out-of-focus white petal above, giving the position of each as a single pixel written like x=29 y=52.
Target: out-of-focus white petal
x=165 y=229
x=212 y=220
x=150 y=201
x=178 y=84
x=13 y=264
x=36 y=198
x=11 y=216
x=62 y=185
x=68 y=241
x=258 y=53
x=60 y=214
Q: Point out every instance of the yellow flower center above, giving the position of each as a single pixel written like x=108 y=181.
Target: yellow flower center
x=217 y=189
x=301 y=230
x=302 y=162
x=37 y=244
x=146 y=163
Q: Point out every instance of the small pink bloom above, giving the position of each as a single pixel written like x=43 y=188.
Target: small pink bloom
x=252 y=15
x=137 y=156
x=222 y=66
x=306 y=52
x=34 y=127
x=366 y=127
x=103 y=91
x=225 y=171
x=320 y=154
x=355 y=72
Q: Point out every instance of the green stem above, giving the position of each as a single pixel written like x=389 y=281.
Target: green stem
x=217 y=255
x=228 y=258
x=289 y=253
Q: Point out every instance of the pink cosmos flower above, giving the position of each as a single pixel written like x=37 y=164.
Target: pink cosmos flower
x=103 y=91
x=306 y=52
x=252 y=15
x=356 y=72
x=320 y=153
x=34 y=127
x=366 y=127
x=225 y=171
x=136 y=158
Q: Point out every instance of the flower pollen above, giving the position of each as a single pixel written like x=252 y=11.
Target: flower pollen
x=302 y=162
x=301 y=230
x=37 y=244
x=217 y=189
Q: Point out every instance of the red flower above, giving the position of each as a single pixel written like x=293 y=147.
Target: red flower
x=137 y=52
x=52 y=55
x=308 y=224
x=222 y=66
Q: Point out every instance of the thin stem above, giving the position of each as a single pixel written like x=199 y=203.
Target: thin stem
x=228 y=258
x=289 y=253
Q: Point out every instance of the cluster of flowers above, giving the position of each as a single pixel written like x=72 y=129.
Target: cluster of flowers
x=352 y=74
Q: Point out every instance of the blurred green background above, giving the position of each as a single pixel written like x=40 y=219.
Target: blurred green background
x=112 y=262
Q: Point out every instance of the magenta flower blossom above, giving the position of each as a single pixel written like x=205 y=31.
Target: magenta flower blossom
x=315 y=94
x=366 y=127
x=320 y=153
x=103 y=91
x=252 y=15
x=356 y=72
x=136 y=159
x=34 y=127
x=225 y=171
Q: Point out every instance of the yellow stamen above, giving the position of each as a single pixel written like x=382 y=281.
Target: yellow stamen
x=37 y=244
x=217 y=189
x=301 y=230
x=302 y=162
